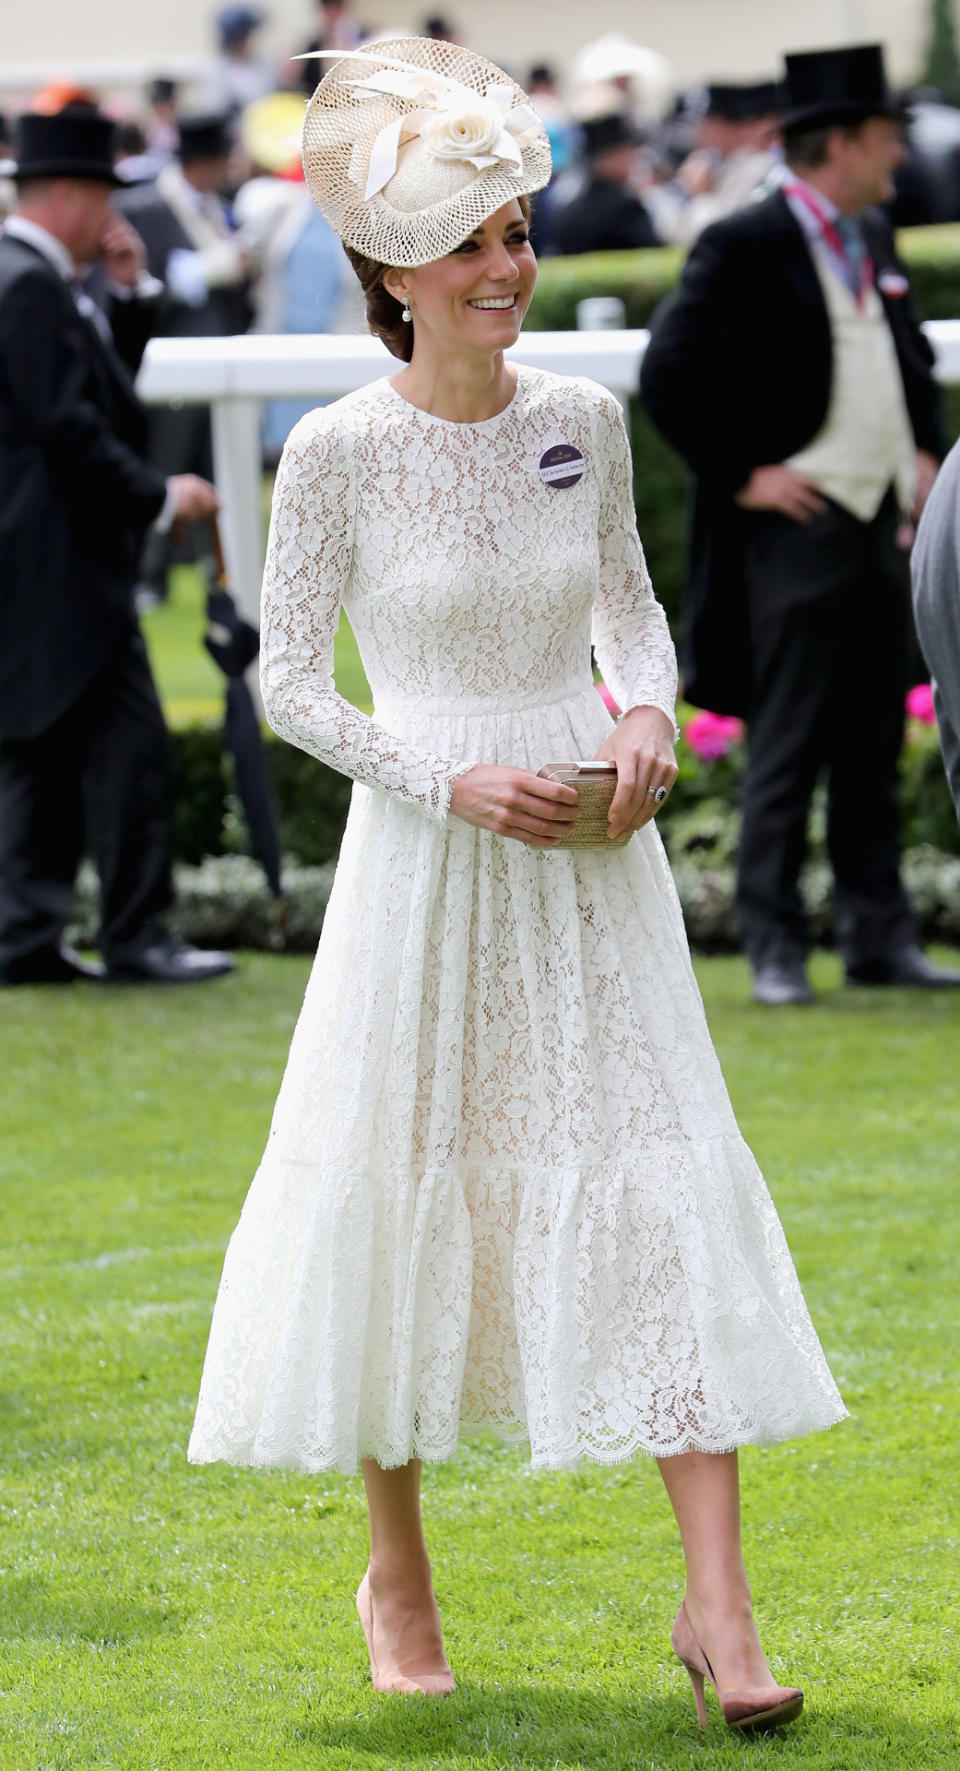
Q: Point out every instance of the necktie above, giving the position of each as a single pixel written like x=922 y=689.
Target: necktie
x=854 y=251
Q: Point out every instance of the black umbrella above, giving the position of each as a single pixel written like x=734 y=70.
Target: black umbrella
x=233 y=644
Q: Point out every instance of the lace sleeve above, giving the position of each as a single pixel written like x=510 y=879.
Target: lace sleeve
x=630 y=633
x=308 y=561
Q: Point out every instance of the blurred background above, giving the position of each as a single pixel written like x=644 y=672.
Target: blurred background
x=119 y=46
x=662 y=119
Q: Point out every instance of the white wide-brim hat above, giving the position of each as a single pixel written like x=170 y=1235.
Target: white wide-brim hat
x=615 y=57
x=409 y=145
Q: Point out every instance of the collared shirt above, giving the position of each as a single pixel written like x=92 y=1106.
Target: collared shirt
x=52 y=249
x=811 y=212
x=20 y=227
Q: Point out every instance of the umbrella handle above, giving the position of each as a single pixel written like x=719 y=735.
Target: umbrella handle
x=223 y=576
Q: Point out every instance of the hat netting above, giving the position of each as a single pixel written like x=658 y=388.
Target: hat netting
x=429 y=205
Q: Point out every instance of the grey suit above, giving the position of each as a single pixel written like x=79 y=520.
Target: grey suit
x=936 y=599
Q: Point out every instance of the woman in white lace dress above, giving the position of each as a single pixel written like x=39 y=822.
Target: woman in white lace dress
x=504 y=1186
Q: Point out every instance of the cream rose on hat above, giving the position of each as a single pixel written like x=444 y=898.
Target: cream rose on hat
x=409 y=145
x=467 y=132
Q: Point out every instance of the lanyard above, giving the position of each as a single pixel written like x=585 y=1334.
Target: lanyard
x=832 y=238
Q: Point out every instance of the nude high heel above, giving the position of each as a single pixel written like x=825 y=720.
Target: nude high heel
x=752 y=1706
x=431 y=1684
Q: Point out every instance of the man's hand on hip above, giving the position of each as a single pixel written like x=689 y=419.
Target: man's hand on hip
x=778 y=488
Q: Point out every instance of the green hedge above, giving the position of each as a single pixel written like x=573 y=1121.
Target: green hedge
x=313 y=801
x=642 y=280
x=225 y=902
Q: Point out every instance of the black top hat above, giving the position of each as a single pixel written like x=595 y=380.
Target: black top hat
x=161 y=90
x=744 y=104
x=72 y=144
x=828 y=87
x=204 y=137
x=614 y=130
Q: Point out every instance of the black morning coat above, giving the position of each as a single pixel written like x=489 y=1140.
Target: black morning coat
x=603 y=217
x=76 y=493
x=737 y=375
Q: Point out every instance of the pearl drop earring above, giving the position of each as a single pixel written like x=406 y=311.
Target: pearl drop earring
x=406 y=315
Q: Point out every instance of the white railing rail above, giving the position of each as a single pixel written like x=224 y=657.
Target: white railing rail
x=234 y=376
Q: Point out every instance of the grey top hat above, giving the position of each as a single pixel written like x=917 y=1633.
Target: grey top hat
x=72 y=144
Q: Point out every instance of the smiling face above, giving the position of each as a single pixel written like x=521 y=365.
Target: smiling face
x=474 y=299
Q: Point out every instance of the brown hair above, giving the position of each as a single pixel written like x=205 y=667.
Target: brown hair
x=811 y=147
x=383 y=309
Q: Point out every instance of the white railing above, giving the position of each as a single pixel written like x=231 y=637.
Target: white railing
x=234 y=376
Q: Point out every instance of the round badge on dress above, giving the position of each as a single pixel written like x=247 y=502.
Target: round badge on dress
x=561 y=466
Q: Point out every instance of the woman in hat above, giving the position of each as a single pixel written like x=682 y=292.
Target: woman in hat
x=504 y=1187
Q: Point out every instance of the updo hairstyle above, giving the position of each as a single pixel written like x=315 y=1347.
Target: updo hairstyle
x=383 y=309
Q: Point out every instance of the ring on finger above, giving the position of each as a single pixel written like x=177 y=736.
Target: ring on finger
x=658 y=793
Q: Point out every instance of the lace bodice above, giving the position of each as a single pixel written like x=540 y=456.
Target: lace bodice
x=471 y=581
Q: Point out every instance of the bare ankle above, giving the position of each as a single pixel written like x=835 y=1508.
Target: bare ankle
x=401 y=1571
x=713 y=1601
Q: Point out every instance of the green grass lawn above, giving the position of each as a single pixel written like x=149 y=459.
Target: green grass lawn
x=159 y=1616
x=191 y=686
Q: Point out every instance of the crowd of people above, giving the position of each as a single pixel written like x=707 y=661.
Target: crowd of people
x=212 y=230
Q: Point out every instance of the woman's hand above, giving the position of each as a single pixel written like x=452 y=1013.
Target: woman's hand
x=514 y=802
x=642 y=748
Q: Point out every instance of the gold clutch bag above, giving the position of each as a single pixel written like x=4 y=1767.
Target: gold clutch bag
x=595 y=784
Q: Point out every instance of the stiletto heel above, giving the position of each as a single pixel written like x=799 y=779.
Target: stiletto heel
x=696 y=1680
x=752 y=1707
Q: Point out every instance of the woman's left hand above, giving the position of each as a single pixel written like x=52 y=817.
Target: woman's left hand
x=642 y=748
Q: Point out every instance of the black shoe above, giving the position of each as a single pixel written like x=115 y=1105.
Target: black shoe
x=908 y=965
x=169 y=961
x=49 y=965
x=780 y=982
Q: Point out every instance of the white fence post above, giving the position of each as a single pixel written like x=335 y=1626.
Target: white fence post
x=236 y=468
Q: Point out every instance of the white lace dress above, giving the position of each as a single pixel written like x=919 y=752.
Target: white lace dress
x=504 y=1186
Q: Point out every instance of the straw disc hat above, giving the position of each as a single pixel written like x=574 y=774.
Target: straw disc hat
x=409 y=145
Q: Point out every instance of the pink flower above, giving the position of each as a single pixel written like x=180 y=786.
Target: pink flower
x=920 y=704
x=711 y=735
x=607 y=699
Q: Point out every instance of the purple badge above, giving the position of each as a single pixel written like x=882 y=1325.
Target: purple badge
x=561 y=466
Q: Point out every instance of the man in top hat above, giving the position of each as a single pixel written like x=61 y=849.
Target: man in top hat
x=84 y=757
x=606 y=214
x=734 y=156
x=239 y=76
x=335 y=30
x=204 y=267
x=789 y=369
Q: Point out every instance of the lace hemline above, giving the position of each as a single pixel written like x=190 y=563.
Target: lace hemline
x=519 y=1441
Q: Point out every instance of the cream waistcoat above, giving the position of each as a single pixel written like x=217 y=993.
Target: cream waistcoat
x=866 y=443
